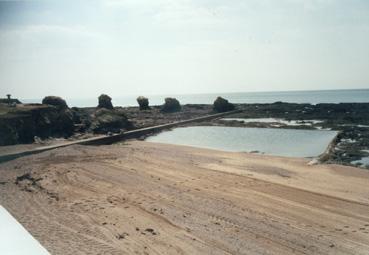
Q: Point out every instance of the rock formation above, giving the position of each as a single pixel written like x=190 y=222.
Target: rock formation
x=143 y=102
x=55 y=101
x=105 y=102
x=222 y=105
x=105 y=120
x=171 y=105
x=21 y=125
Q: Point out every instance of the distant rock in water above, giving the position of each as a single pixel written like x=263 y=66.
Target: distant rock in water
x=171 y=105
x=106 y=120
x=143 y=102
x=105 y=102
x=55 y=101
x=222 y=105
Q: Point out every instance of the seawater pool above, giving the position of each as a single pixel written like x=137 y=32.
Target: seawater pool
x=271 y=141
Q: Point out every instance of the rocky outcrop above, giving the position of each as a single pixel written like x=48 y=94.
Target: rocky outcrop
x=222 y=105
x=21 y=125
x=105 y=120
x=81 y=119
x=16 y=129
x=171 y=105
x=55 y=101
x=143 y=102
x=62 y=124
x=105 y=102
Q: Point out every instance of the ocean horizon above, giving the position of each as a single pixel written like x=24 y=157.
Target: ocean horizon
x=311 y=97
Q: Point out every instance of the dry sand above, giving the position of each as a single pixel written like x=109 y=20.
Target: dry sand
x=146 y=198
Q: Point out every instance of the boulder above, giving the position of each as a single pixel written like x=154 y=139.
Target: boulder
x=171 y=105
x=143 y=102
x=105 y=102
x=55 y=101
x=222 y=105
x=106 y=120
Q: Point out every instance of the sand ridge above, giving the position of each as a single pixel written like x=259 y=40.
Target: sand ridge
x=147 y=198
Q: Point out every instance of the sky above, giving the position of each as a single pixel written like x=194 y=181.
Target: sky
x=80 y=49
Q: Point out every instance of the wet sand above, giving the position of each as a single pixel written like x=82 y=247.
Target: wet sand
x=147 y=198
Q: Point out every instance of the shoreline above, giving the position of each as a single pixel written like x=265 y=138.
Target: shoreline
x=149 y=197
x=350 y=119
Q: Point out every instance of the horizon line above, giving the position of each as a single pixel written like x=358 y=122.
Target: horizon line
x=203 y=93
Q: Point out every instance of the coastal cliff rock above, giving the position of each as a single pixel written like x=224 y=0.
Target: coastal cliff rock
x=171 y=105
x=105 y=120
x=143 y=102
x=16 y=129
x=222 y=105
x=22 y=124
x=105 y=102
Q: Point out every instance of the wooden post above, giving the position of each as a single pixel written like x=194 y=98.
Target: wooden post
x=9 y=100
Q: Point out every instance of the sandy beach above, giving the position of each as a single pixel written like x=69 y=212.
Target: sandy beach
x=148 y=198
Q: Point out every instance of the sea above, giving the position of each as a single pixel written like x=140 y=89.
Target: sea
x=312 y=97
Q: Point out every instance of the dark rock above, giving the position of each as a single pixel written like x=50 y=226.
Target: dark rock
x=55 y=101
x=24 y=123
x=59 y=122
x=81 y=119
x=23 y=177
x=105 y=102
x=171 y=105
x=222 y=105
x=106 y=120
x=143 y=102
x=150 y=230
x=122 y=236
x=54 y=122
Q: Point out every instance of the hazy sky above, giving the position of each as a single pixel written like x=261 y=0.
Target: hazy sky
x=79 y=49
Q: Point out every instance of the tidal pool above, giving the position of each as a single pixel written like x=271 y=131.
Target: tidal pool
x=278 y=142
